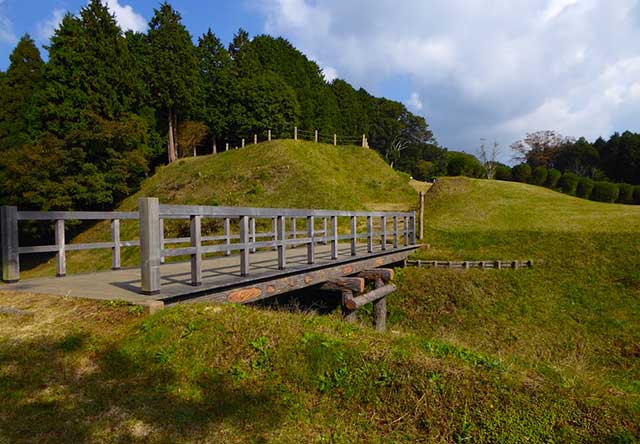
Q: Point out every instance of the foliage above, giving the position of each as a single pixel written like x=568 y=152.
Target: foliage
x=539 y=175
x=463 y=164
x=521 y=173
x=605 y=192
x=190 y=136
x=539 y=148
x=636 y=194
x=568 y=183
x=626 y=193
x=553 y=177
x=584 y=188
x=503 y=172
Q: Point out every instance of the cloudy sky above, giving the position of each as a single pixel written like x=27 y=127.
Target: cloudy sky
x=493 y=69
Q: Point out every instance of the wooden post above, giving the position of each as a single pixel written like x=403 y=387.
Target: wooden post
x=315 y=138
x=406 y=231
x=349 y=316
x=196 y=258
x=421 y=216
x=335 y=139
x=215 y=147
x=293 y=231
x=383 y=235
x=282 y=246
x=255 y=139
x=115 y=250
x=269 y=135
x=295 y=133
x=413 y=228
x=334 y=237
x=149 y=213
x=161 y=232
x=227 y=235
x=274 y=230
x=364 y=141
x=395 y=232
x=61 y=259
x=380 y=310
x=354 y=236
x=10 y=245
x=243 y=143
x=369 y=234
x=252 y=233
x=226 y=146
x=310 y=246
x=324 y=231
x=244 y=240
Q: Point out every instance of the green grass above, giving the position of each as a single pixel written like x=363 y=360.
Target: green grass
x=280 y=174
x=543 y=355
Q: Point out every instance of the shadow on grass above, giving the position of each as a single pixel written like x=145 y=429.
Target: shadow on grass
x=49 y=394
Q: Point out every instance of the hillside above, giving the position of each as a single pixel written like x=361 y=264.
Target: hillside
x=280 y=174
x=544 y=355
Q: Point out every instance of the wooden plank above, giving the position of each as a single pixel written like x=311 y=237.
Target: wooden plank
x=61 y=258
x=76 y=215
x=360 y=301
x=10 y=244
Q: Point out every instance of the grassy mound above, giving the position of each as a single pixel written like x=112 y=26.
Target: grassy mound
x=280 y=174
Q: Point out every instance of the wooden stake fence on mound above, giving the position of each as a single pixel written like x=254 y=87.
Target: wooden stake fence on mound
x=465 y=265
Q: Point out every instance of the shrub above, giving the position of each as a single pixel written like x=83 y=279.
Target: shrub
x=521 y=173
x=463 y=164
x=605 y=192
x=540 y=174
x=584 y=188
x=636 y=194
x=503 y=172
x=553 y=177
x=626 y=193
x=569 y=183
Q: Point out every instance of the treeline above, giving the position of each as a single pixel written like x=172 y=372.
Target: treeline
x=85 y=128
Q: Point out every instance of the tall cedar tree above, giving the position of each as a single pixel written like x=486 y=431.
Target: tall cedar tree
x=174 y=77
x=21 y=81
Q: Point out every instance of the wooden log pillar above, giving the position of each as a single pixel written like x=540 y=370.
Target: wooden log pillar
x=335 y=139
x=269 y=135
x=61 y=259
x=354 y=236
x=310 y=245
x=295 y=133
x=421 y=216
x=115 y=250
x=282 y=246
x=334 y=237
x=369 y=234
x=347 y=286
x=227 y=236
x=149 y=216
x=10 y=244
x=315 y=136
x=380 y=310
x=244 y=240
x=196 y=258
x=383 y=235
x=348 y=314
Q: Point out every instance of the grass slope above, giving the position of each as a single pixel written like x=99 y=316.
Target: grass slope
x=281 y=174
x=543 y=355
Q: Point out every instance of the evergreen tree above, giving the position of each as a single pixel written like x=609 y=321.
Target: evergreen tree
x=17 y=89
x=174 y=77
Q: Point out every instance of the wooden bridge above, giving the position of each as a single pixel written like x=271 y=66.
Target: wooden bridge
x=239 y=265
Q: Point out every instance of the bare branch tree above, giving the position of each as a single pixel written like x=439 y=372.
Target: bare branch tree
x=489 y=158
x=394 y=152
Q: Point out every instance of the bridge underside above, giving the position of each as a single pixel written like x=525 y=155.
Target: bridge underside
x=221 y=279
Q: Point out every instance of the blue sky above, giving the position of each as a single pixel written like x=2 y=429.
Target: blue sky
x=476 y=69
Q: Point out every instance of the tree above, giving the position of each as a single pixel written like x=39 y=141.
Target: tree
x=21 y=81
x=521 y=173
x=190 y=136
x=539 y=148
x=174 y=73
x=489 y=158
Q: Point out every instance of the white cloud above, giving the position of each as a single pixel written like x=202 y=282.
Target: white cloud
x=126 y=17
x=491 y=70
x=6 y=26
x=414 y=102
x=46 y=28
x=330 y=73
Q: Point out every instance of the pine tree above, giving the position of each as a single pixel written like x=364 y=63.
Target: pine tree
x=174 y=74
x=17 y=89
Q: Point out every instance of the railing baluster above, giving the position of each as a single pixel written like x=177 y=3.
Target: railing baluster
x=196 y=258
x=406 y=231
x=252 y=237
x=413 y=228
x=161 y=233
x=293 y=231
x=61 y=259
x=334 y=237
x=10 y=244
x=115 y=238
x=310 y=245
x=282 y=246
x=274 y=230
x=324 y=231
x=383 y=235
x=354 y=236
x=369 y=234
x=227 y=235
x=244 y=240
x=395 y=232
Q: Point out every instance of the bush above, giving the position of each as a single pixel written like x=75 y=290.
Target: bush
x=636 y=194
x=584 y=188
x=540 y=174
x=553 y=177
x=605 y=192
x=503 y=172
x=569 y=183
x=626 y=193
x=463 y=164
x=521 y=173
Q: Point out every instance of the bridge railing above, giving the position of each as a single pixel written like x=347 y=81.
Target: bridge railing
x=153 y=249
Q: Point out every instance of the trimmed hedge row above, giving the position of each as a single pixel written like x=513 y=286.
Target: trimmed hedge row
x=572 y=184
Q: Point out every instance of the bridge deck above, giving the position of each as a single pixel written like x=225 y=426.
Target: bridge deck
x=221 y=279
